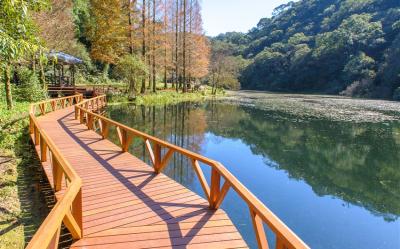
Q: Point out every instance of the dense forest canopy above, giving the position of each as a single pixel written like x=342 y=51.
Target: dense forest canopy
x=350 y=47
x=139 y=42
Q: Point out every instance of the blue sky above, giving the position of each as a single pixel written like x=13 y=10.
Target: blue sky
x=220 y=16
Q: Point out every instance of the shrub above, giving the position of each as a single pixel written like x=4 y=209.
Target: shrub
x=362 y=88
x=132 y=69
x=396 y=94
x=29 y=88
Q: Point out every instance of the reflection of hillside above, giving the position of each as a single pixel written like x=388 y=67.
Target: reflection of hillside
x=358 y=163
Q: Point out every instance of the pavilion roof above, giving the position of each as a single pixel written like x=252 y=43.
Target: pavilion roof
x=64 y=58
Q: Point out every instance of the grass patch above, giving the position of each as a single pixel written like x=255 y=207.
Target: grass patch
x=163 y=97
x=22 y=208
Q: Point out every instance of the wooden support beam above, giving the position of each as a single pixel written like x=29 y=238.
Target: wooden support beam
x=36 y=135
x=77 y=211
x=215 y=187
x=31 y=125
x=224 y=190
x=89 y=122
x=280 y=244
x=72 y=226
x=150 y=150
x=43 y=149
x=202 y=179
x=76 y=113
x=55 y=240
x=165 y=160
x=125 y=138
x=42 y=108
x=104 y=128
x=57 y=174
x=258 y=227
x=53 y=105
x=157 y=157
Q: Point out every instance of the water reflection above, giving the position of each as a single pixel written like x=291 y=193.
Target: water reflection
x=355 y=163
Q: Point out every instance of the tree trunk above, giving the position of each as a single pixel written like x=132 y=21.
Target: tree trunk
x=143 y=87
x=7 y=76
x=33 y=65
x=41 y=72
x=149 y=42
x=184 y=48
x=190 y=38
x=165 y=44
x=176 y=44
x=131 y=3
x=154 y=46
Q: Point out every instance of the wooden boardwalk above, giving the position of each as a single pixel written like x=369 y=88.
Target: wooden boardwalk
x=108 y=198
x=125 y=204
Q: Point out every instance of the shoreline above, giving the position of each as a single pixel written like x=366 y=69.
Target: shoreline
x=336 y=108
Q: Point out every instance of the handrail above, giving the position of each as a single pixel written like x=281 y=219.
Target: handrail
x=260 y=214
x=68 y=208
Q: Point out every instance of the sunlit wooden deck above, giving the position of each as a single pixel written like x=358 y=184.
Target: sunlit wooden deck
x=125 y=204
x=108 y=198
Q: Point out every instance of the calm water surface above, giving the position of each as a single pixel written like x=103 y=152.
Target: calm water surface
x=336 y=184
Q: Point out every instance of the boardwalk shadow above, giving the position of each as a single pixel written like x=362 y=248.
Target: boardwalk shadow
x=177 y=238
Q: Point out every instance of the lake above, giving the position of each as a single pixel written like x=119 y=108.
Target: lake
x=336 y=184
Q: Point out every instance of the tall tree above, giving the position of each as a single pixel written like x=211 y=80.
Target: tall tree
x=176 y=44
x=184 y=48
x=154 y=47
x=143 y=87
x=17 y=36
x=108 y=33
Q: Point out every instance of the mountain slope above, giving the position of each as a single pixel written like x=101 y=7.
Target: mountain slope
x=328 y=46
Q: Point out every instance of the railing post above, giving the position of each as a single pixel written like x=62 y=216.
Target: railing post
x=76 y=113
x=53 y=105
x=124 y=138
x=57 y=174
x=43 y=150
x=77 y=210
x=215 y=187
x=104 y=129
x=81 y=116
x=31 y=125
x=157 y=158
x=42 y=108
x=89 y=121
x=36 y=135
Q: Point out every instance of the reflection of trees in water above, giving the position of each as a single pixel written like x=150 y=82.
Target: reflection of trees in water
x=358 y=163
x=183 y=125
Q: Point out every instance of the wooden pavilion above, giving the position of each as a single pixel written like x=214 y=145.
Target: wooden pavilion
x=64 y=69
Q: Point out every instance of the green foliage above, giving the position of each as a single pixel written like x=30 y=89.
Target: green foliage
x=226 y=66
x=360 y=66
x=323 y=46
x=396 y=94
x=17 y=37
x=18 y=176
x=29 y=88
x=131 y=69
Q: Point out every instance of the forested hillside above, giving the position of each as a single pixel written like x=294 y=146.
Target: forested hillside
x=350 y=47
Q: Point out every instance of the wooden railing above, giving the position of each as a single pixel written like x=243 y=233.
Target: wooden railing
x=259 y=213
x=66 y=183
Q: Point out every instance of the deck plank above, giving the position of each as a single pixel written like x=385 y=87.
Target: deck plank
x=126 y=205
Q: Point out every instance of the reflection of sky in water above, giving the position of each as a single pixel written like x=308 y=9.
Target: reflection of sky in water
x=302 y=171
x=323 y=222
